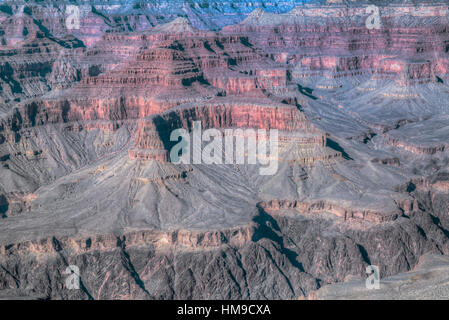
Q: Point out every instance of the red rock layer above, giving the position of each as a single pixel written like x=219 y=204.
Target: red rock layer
x=226 y=114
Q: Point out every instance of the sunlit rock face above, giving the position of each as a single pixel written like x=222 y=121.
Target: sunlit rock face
x=86 y=176
x=338 y=39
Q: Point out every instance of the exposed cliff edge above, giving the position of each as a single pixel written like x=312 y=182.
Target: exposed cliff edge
x=85 y=173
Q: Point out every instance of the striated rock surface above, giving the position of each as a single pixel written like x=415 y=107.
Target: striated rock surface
x=86 y=177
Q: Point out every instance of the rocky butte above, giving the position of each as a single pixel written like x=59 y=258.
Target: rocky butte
x=85 y=122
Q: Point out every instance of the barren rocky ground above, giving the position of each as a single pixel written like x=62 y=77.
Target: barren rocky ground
x=85 y=176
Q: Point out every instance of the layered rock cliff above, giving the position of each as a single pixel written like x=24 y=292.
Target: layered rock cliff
x=85 y=173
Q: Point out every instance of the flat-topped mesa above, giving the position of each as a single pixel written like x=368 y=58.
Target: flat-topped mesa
x=297 y=136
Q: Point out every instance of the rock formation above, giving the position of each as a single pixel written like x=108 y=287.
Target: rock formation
x=86 y=177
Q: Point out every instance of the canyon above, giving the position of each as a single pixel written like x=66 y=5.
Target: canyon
x=85 y=122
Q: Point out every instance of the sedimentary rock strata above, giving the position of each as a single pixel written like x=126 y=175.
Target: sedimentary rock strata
x=86 y=177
